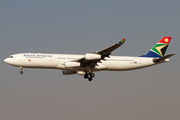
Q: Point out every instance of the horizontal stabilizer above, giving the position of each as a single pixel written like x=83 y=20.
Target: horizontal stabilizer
x=156 y=60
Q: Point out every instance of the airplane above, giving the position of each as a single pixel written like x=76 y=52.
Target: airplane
x=89 y=63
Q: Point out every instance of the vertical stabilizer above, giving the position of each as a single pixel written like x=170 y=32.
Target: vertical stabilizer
x=159 y=49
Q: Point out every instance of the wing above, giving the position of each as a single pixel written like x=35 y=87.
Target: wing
x=106 y=52
x=100 y=55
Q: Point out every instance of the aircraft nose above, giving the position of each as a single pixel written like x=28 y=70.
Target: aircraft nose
x=6 y=60
x=10 y=61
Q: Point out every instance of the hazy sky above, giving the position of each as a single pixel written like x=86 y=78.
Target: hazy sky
x=78 y=27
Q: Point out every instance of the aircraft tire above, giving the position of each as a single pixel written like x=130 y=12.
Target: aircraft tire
x=85 y=76
x=90 y=78
x=21 y=72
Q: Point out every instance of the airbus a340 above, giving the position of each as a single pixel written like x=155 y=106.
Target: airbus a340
x=89 y=63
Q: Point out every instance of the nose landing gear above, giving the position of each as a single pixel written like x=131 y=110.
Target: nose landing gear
x=21 y=71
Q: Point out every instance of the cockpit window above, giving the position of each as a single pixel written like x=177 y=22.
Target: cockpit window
x=10 y=56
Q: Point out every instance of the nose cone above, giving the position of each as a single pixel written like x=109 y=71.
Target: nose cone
x=5 y=60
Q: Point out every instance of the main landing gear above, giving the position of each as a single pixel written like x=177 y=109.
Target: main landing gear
x=89 y=76
x=21 y=71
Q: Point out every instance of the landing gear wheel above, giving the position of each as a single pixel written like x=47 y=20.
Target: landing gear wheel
x=88 y=75
x=90 y=78
x=21 y=72
x=85 y=76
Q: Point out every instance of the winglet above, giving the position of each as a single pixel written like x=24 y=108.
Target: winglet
x=122 y=41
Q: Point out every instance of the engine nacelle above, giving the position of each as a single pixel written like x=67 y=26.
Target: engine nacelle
x=72 y=64
x=67 y=72
x=81 y=73
x=90 y=56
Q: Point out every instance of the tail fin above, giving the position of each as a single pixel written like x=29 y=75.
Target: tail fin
x=159 y=49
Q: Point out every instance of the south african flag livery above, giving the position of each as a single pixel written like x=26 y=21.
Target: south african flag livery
x=123 y=40
x=159 y=49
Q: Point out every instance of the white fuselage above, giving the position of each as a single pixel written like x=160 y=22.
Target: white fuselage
x=57 y=61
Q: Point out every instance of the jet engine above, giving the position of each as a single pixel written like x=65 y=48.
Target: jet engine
x=81 y=73
x=72 y=64
x=90 y=56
